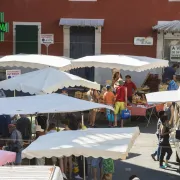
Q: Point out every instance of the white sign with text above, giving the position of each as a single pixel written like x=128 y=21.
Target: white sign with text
x=12 y=73
x=143 y=41
x=47 y=39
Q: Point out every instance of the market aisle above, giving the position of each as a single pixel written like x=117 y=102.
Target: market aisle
x=140 y=162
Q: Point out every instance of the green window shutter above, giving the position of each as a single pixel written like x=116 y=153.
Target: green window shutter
x=26 y=39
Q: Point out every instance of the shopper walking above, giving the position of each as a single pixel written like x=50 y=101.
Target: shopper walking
x=164 y=144
x=157 y=152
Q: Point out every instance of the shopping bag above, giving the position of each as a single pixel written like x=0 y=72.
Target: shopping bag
x=110 y=115
x=125 y=114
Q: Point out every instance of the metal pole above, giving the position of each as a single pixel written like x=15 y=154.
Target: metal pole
x=14 y=93
x=47 y=49
x=82 y=115
x=84 y=163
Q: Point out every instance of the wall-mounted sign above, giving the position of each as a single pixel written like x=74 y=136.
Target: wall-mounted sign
x=12 y=73
x=47 y=39
x=143 y=41
x=4 y=26
x=175 y=53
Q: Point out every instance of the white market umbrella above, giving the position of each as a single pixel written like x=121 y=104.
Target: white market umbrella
x=37 y=61
x=45 y=81
x=101 y=142
x=47 y=103
x=131 y=63
x=163 y=97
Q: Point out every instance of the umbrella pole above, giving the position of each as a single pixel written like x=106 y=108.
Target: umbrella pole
x=84 y=164
x=82 y=115
x=47 y=125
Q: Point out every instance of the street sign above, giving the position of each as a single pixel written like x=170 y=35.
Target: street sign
x=175 y=53
x=12 y=73
x=4 y=26
x=47 y=39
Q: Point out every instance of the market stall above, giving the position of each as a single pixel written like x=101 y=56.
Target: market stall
x=101 y=142
x=45 y=81
x=130 y=63
x=36 y=61
x=47 y=103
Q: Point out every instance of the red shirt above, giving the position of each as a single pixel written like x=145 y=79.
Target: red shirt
x=120 y=94
x=130 y=87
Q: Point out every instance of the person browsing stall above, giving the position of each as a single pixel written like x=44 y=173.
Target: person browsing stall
x=131 y=87
x=120 y=101
x=15 y=144
x=170 y=73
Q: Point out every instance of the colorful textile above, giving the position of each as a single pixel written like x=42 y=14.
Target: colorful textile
x=108 y=166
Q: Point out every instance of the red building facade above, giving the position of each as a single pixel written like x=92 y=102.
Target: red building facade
x=117 y=23
x=123 y=20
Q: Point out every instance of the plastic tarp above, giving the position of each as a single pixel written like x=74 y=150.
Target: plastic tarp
x=31 y=173
x=48 y=103
x=112 y=143
x=37 y=61
x=45 y=81
x=164 y=96
x=7 y=157
x=131 y=63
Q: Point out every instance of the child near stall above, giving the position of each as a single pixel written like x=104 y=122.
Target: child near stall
x=109 y=99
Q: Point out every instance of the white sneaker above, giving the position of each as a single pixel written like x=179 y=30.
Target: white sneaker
x=78 y=177
x=64 y=176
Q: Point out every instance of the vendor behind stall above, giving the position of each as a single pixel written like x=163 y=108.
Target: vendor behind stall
x=131 y=87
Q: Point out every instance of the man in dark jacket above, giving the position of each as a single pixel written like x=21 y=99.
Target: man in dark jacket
x=24 y=126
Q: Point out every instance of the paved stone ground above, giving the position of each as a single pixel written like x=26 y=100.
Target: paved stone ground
x=140 y=162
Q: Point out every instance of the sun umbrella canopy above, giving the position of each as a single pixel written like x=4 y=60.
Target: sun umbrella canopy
x=101 y=142
x=37 y=61
x=47 y=103
x=7 y=157
x=45 y=81
x=164 y=96
x=131 y=63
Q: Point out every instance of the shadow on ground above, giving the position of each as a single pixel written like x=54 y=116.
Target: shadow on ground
x=124 y=170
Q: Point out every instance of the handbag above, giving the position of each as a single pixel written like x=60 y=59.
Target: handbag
x=125 y=114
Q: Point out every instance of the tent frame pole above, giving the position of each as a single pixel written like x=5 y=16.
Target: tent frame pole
x=84 y=163
x=82 y=116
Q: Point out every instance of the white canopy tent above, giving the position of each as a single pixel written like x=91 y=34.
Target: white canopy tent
x=45 y=81
x=37 y=61
x=102 y=142
x=131 y=63
x=48 y=103
x=163 y=97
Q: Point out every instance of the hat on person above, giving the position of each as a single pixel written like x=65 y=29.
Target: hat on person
x=11 y=125
x=134 y=177
x=64 y=89
x=108 y=86
x=39 y=129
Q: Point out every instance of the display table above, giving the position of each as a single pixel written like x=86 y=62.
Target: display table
x=145 y=111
